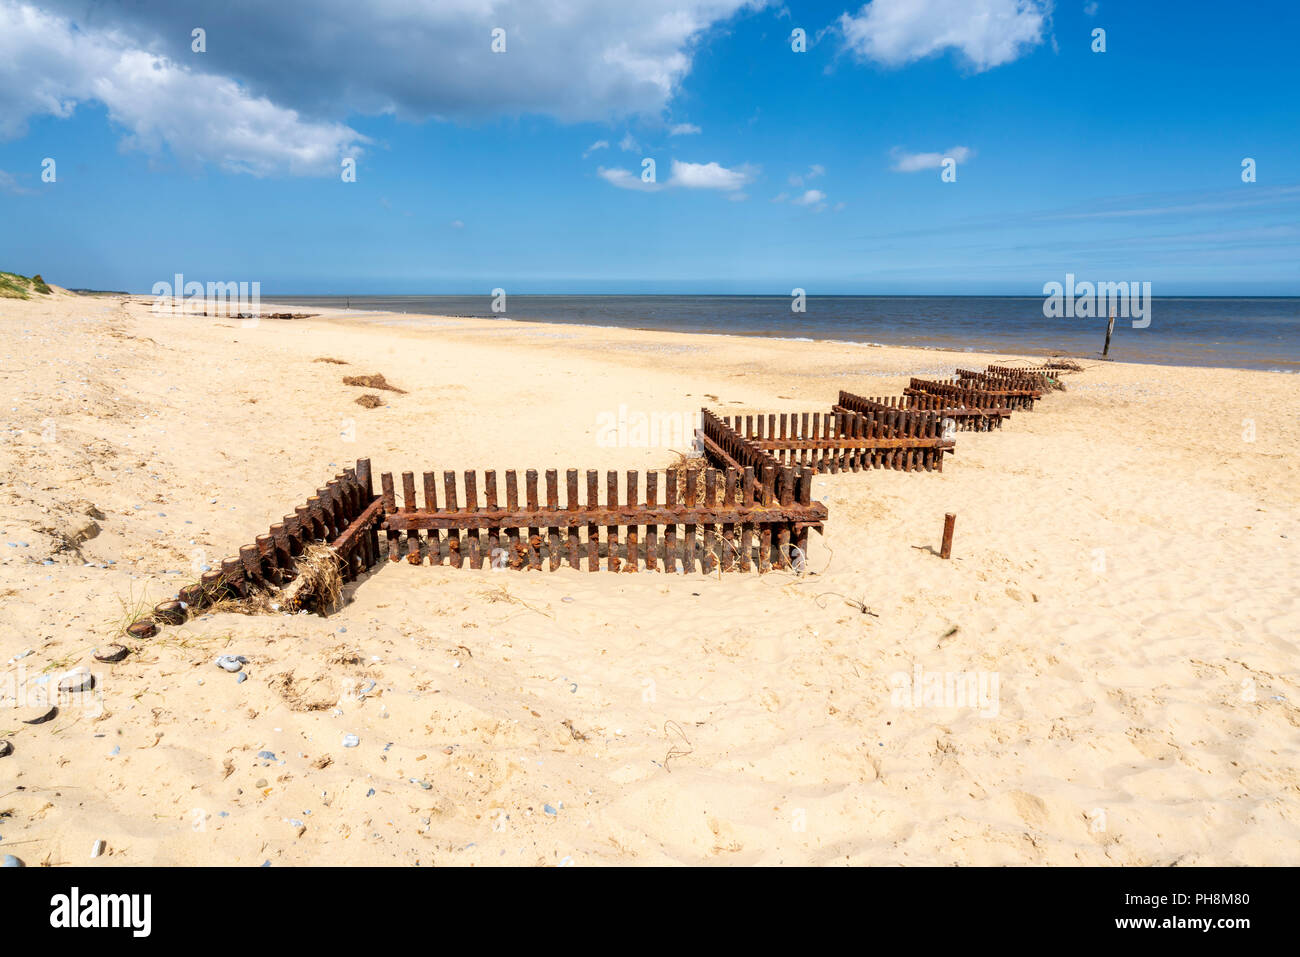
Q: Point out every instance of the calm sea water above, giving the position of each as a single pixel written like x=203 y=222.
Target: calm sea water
x=1254 y=333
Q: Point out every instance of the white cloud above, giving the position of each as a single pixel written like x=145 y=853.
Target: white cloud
x=9 y=184
x=686 y=176
x=797 y=179
x=684 y=129
x=48 y=66
x=270 y=93
x=598 y=145
x=811 y=198
x=457 y=224
x=628 y=144
x=988 y=33
x=709 y=176
x=574 y=60
x=626 y=179
x=905 y=162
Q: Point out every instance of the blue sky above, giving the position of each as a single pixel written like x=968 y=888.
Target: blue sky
x=774 y=169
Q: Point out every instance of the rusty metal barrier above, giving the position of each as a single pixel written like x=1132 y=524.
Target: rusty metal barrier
x=718 y=510
x=731 y=519
x=965 y=392
x=1040 y=374
x=953 y=415
x=1015 y=387
x=840 y=440
x=344 y=515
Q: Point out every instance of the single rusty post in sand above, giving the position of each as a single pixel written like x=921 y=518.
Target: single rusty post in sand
x=945 y=550
x=1110 y=327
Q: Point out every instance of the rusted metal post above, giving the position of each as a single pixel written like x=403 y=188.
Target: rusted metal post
x=949 y=520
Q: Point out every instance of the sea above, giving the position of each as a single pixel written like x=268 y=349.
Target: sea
x=1243 y=333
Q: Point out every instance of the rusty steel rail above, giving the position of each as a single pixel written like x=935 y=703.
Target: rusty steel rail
x=723 y=508
x=344 y=514
x=843 y=439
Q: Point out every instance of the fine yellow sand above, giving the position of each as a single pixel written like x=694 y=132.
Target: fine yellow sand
x=1125 y=570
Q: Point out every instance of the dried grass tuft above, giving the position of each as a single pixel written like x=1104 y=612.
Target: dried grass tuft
x=688 y=463
x=318 y=587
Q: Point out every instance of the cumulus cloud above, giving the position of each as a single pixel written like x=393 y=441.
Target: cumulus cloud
x=570 y=59
x=905 y=162
x=987 y=33
x=812 y=197
x=709 y=176
x=684 y=129
x=626 y=179
x=278 y=81
x=48 y=66
x=686 y=176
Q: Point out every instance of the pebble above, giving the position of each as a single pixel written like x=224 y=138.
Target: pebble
x=266 y=755
x=77 y=682
x=567 y=598
x=97 y=849
x=231 y=662
x=241 y=679
x=110 y=653
x=37 y=714
x=549 y=810
x=6 y=749
x=350 y=740
x=11 y=861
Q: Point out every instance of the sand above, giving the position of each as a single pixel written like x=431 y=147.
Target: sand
x=1124 y=569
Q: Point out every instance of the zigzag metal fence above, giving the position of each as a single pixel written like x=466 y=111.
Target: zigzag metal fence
x=953 y=416
x=1018 y=388
x=970 y=394
x=731 y=520
x=753 y=509
x=840 y=440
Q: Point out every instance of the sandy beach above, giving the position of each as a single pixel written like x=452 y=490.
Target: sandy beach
x=1123 y=577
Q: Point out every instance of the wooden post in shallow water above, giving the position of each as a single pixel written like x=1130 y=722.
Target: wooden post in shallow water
x=1110 y=328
